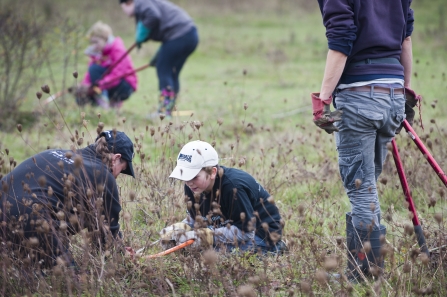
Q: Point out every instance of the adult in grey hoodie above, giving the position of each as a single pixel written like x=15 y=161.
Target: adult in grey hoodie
x=162 y=21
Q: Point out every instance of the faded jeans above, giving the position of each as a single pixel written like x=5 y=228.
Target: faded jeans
x=369 y=122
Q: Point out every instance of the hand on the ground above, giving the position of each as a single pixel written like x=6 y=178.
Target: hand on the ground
x=169 y=235
x=202 y=237
x=323 y=117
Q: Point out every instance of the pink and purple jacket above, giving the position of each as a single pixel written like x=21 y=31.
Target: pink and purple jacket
x=111 y=53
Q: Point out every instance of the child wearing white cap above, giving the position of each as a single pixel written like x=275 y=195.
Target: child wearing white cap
x=227 y=207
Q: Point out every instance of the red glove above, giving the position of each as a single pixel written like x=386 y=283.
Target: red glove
x=323 y=117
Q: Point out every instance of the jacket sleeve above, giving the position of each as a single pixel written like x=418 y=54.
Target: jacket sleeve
x=410 y=22
x=338 y=18
x=112 y=206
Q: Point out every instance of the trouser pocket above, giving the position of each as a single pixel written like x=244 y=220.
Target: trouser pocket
x=350 y=161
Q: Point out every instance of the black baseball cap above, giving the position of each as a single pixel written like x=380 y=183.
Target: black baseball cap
x=119 y=143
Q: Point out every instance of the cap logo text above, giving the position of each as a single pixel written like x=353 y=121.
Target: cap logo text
x=185 y=157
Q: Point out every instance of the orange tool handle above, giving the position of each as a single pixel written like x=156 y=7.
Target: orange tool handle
x=171 y=250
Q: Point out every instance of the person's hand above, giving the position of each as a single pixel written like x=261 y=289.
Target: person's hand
x=411 y=100
x=93 y=90
x=323 y=117
x=202 y=237
x=130 y=252
x=141 y=34
x=169 y=235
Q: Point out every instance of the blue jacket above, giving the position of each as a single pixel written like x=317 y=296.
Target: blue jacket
x=368 y=29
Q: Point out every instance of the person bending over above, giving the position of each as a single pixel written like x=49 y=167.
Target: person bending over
x=227 y=208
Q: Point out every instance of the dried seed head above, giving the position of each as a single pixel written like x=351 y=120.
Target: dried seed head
x=246 y=291
x=265 y=226
x=210 y=257
x=321 y=276
x=367 y=247
x=197 y=124
x=407 y=267
x=78 y=161
x=75 y=74
x=438 y=218
x=254 y=280
x=305 y=287
x=245 y=106
x=42 y=180
x=408 y=229
x=60 y=215
x=127 y=217
x=39 y=95
x=330 y=263
x=389 y=146
x=45 y=89
x=19 y=127
x=132 y=195
x=242 y=215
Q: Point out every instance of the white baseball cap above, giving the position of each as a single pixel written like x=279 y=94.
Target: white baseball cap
x=192 y=158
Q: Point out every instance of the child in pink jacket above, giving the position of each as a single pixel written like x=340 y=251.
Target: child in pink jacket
x=109 y=88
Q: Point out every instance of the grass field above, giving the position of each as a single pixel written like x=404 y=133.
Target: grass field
x=247 y=87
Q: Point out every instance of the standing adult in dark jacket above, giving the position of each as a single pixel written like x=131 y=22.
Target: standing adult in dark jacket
x=163 y=21
x=59 y=192
x=368 y=72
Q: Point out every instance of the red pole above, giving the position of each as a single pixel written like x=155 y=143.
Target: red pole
x=425 y=152
x=404 y=183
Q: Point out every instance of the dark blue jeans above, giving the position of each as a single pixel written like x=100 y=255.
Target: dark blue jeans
x=171 y=56
x=120 y=92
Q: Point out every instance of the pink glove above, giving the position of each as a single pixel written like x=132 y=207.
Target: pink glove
x=323 y=117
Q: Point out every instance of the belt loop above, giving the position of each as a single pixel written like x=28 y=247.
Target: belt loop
x=392 y=93
x=368 y=61
x=371 y=90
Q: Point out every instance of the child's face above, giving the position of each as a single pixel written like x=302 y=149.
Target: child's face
x=98 y=43
x=128 y=8
x=203 y=182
